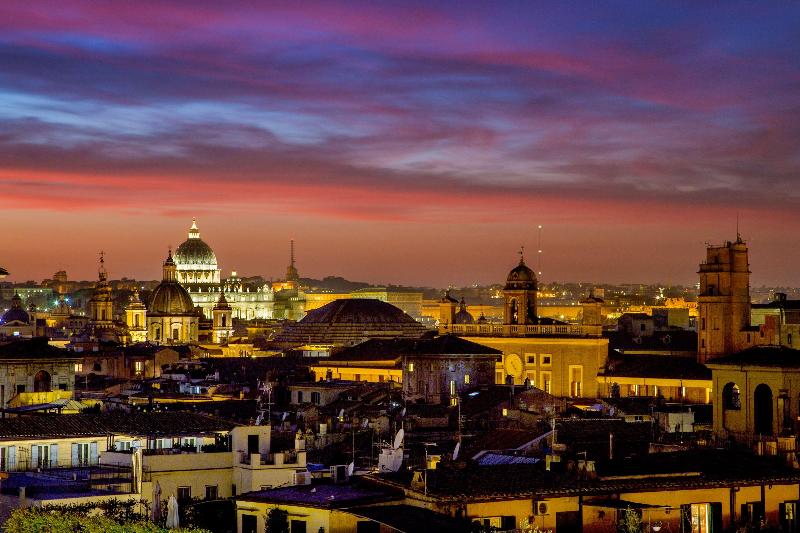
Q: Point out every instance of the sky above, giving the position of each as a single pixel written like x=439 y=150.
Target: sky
x=418 y=143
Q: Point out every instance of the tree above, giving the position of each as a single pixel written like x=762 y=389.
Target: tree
x=277 y=521
x=38 y=519
x=630 y=521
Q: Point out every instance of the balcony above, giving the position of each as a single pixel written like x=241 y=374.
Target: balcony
x=278 y=459
x=506 y=330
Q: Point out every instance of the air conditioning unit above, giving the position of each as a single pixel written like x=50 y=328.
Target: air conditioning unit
x=302 y=478
x=540 y=508
x=339 y=473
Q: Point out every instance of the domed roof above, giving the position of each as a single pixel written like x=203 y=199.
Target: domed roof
x=521 y=277
x=16 y=313
x=194 y=251
x=169 y=298
x=463 y=316
x=357 y=311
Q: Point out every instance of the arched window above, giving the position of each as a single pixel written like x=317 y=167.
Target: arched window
x=763 y=410
x=224 y=321
x=41 y=381
x=136 y=319
x=730 y=397
x=514 y=312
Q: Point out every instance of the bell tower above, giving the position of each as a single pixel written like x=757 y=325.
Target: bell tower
x=136 y=318
x=101 y=306
x=724 y=301
x=221 y=318
x=520 y=295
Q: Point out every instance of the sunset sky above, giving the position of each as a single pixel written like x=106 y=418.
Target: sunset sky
x=416 y=143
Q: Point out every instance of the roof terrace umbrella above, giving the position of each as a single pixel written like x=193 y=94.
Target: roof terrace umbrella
x=173 y=522
x=155 y=514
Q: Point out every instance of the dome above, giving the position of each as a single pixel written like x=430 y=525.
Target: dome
x=16 y=313
x=194 y=253
x=357 y=311
x=169 y=298
x=521 y=277
x=463 y=316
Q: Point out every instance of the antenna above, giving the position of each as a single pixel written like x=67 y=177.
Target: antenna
x=738 y=235
x=291 y=252
x=539 y=253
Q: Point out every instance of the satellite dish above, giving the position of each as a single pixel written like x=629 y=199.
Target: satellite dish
x=398 y=439
x=350 y=468
x=456 y=450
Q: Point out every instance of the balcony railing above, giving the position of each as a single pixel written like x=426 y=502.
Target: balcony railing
x=510 y=330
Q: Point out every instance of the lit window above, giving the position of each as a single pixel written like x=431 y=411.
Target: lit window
x=78 y=367
x=505 y=411
x=546 y=360
x=410 y=367
x=466 y=379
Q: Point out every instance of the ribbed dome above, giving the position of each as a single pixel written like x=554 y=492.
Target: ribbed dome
x=170 y=298
x=521 y=278
x=463 y=316
x=357 y=311
x=194 y=252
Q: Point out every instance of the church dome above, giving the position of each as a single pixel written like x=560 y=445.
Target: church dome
x=521 y=277
x=194 y=253
x=463 y=316
x=357 y=311
x=169 y=298
x=16 y=313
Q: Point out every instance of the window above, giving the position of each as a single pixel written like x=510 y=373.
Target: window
x=546 y=360
x=41 y=455
x=410 y=367
x=731 y=398
x=530 y=358
x=498 y=378
x=451 y=367
x=702 y=518
x=642 y=327
x=315 y=398
x=78 y=367
x=211 y=492
x=466 y=379
x=249 y=523
x=789 y=339
x=298 y=526
x=176 y=333
x=452 y=387
x=80 y=454
x=703 y=323
x=546 y=379
x=576 y=381
x=299 y=396
x=138 y=368
x=184 y=494
x=531 y=376
x=20 y=388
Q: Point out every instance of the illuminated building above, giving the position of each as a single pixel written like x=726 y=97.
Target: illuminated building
x=561 y=359
x=171 y=317
x=16 y=322
x=136 y=318
x=222 y=322
x=197 y=270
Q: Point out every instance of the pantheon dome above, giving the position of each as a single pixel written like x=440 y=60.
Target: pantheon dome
x=348 y=321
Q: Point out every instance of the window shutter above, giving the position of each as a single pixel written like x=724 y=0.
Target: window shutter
x=686 y=518
x=716 y=517
x=12 y=457
x=93 y=453
x=75 y=457
x=53 y=455
x=34 y=456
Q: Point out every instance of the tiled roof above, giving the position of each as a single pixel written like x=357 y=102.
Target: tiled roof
x=652 y=472
x=173 y=423
x=411 y=519
x=660 y=341
x=383 y=349
x=324 y=495
x=37 y=348
x=656 y=366
x=776 y=356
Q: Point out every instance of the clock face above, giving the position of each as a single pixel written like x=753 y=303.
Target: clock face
x=513 y=365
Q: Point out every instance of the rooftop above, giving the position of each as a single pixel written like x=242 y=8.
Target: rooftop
x=655 y=366
x=169 y=423
x=324 y=495
x=36 y=348
x=382 y=349
x=769 y=356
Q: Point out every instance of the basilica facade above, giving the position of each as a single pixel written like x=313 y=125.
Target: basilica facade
x=198 y=271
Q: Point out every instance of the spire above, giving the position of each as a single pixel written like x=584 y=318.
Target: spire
x=521 y=255
x=169 y=267
x=102 y=274
x=194 y=233
x=291 y=253
x=291 y=271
